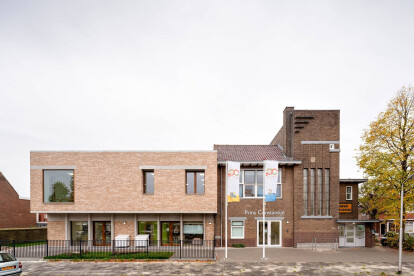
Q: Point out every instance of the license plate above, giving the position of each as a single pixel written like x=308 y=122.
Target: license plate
x=7 y=268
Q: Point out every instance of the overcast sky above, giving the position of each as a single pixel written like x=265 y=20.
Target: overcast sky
x=172 y=75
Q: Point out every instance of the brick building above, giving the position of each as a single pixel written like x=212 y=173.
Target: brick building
x=14 y=211
x=180 y=195
x=353 y=231
x=307 y=148
x=100 y=195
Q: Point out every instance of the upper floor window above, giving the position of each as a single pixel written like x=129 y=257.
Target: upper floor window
x=58 y=186
x=148 y=182
x=194 y=182
x=349 y=193
x=251 y=184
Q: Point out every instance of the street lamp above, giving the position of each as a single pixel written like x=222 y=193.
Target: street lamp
x=401 y=226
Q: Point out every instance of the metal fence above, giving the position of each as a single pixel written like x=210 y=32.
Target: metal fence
x=95 y=249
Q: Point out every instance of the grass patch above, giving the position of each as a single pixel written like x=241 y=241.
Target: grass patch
x=110 y=256
x=23 y=244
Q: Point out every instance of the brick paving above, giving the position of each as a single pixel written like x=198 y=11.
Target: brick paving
x=348 y=261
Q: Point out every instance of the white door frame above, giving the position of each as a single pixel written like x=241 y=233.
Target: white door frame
x=343 y=240
x=269 y=226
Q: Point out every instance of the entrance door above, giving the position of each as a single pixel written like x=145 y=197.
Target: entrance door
x=270 y=235
x=351 y=235
x=170 y=232
x=102 y=233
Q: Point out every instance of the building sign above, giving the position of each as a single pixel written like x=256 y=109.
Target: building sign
x=345 y=208
x=260 y=212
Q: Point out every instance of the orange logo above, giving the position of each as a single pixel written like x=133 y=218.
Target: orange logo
x=271 y=171
x=233 y=172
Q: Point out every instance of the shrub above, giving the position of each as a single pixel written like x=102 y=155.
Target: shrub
x=238 y=245
x=408 y=243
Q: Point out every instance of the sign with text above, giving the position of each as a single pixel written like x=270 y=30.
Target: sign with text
x=345 y=208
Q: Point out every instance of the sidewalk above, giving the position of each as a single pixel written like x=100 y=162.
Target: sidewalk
x=376 y=254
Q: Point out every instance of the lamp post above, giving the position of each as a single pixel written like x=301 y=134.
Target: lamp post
x=401 y=226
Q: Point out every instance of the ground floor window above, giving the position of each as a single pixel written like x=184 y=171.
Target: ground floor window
x=102 y=233
x=409 y=227
x=237 y=229
x=193 y=232
x=79 y=231
x=149 y=228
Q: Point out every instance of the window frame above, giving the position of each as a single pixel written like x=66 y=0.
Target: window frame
x=346 y=193
x=195 y=182
x=43 y=186
x=256 y=184
x=144 y=182
x=238 y=226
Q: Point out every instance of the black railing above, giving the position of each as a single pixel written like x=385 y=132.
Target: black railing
x=112 y=249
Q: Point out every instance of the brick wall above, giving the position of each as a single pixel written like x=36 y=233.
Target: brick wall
x=56 y=230
x=353 y=202
x=14 y=212
x=112 y=181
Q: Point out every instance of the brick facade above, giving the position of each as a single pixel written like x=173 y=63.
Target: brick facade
x=108 y=186
x=14 y=212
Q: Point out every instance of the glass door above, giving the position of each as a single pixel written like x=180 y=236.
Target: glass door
x=349 y=234
x=102 y=233
x=270 y=235
x=262 y=234
x=170 y=232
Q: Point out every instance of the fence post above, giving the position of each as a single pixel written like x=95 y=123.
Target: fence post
x=14 y=248
x=47 y=248
x=80 y=249
x=113 y=247
x=214 y=248
x=181 y=243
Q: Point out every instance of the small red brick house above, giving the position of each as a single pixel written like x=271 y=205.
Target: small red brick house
x=14 y=211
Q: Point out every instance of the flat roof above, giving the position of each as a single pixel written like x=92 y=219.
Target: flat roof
x=353 y=180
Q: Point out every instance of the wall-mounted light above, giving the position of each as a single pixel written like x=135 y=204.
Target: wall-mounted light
x=287 y=222
x=124 y=222
x=210 y=222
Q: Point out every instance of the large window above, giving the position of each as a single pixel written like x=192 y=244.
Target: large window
x=193 y=232
x=148 y=182
x=316 y=192
x=79 y=230
x=58 y=186
x=237 y=229
x=251 y=184
x=305 y=192
x=326 y=193
x=149 y=228
x=194 y=183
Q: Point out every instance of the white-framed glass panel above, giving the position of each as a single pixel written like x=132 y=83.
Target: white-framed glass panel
x=270 y=234
x=251 y=184
x=409 y=227
x=348 y=192
x=237 y=229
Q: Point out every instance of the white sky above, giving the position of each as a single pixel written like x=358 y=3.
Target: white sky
x=158 y=75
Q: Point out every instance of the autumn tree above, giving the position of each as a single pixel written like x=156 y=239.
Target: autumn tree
x=386 y=157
